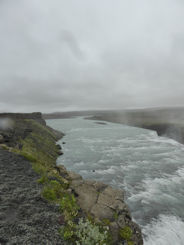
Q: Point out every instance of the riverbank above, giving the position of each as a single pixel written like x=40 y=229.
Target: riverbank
x=80 y=207
x=167 y=122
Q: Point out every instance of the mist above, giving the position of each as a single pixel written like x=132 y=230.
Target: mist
x=83 y=55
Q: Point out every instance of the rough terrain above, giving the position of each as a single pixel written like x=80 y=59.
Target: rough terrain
x=25 y=217
x=28 y=218
x=105 y=204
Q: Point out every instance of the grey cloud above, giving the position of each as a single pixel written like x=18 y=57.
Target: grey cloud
x=70 y=40
x=62 y=55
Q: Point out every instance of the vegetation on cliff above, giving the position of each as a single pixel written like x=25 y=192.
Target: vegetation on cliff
x=90 y=212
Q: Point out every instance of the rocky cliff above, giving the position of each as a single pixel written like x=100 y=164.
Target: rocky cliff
x=88 y=212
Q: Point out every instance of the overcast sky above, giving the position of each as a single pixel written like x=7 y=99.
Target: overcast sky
x=58 y=55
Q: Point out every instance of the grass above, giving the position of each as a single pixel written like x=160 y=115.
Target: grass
x=126 y=234
x=39 y=147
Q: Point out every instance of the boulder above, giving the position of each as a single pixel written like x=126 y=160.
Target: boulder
x=86 y=196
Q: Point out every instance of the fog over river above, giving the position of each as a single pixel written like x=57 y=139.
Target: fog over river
x=149 y=168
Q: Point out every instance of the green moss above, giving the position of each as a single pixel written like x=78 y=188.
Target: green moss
x=130 y=243
x=29 y=157
x=115 y=215
x=40 y=149
x=126 y=233
x=69 y=206
x=53 y=191
x=43 y=180
x=67 y=232
x=106 y=222
x=49 y=194
x=39 y=146
x=39 y=168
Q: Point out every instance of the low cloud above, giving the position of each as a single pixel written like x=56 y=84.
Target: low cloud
x=70 y=55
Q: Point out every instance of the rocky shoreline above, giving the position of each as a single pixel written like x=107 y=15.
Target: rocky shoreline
x=104 y=204
x=53 y=198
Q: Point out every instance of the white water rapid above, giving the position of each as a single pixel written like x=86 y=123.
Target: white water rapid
x=149 y=168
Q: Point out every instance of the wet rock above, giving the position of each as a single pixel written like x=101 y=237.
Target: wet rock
x=60 y=153
x=59 y=147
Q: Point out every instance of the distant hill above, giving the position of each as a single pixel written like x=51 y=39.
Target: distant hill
x=165 y=121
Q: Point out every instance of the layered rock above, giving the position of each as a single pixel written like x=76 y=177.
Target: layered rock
x=103 y=203
x=37 y=116
x=36 y=142
x=14 y=126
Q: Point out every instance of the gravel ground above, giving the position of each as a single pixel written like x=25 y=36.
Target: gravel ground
x=25 y=218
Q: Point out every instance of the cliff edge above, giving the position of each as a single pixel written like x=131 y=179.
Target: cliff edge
x=76 y=210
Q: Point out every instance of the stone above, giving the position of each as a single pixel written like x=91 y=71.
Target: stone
x=62 y=171
x=109 y=197
x=74 y=176
x=76 y=183
x=102 y=212
x=118 y=206
x=99 y=186
x=114 y=193
x=86 y=196
x=60 y=153
x=121 y=221
x=136 y=233
x=59 y=147
x=114 y=231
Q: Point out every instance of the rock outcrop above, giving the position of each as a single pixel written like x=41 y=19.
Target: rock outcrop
x=13 y=126
x=77 y=198
x=37 y=116
x=104 y=204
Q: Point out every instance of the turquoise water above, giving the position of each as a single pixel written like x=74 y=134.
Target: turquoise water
x=149 y=168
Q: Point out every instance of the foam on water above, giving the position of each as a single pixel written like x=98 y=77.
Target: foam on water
x=149 y=168
x=165 y=230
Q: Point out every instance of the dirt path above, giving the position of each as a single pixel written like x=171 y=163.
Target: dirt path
x=25 y=218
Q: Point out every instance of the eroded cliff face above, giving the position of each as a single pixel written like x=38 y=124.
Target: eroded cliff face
x=89 y=210
x=106 y=205
x=16 y=126
x=37 y=116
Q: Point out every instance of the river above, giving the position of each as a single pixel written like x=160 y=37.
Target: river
x=149 y=168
